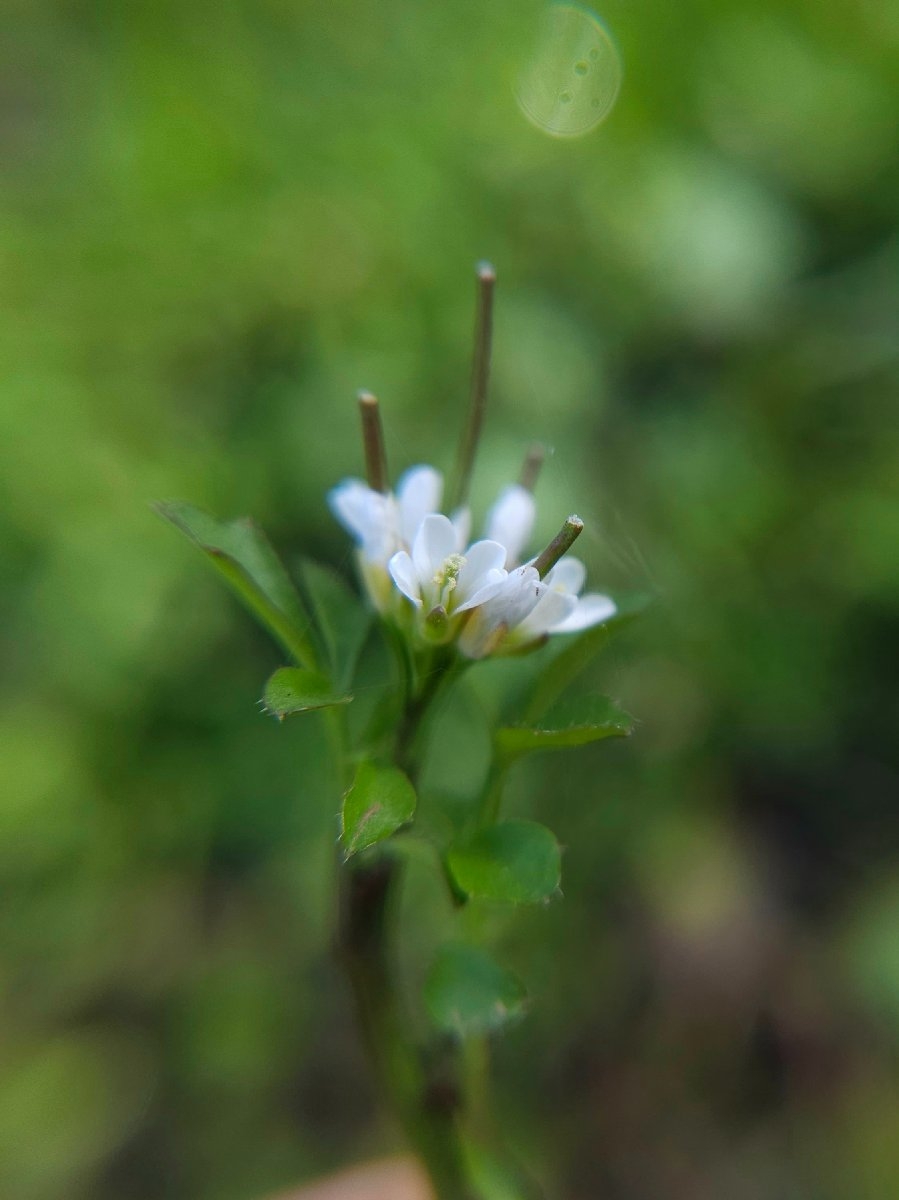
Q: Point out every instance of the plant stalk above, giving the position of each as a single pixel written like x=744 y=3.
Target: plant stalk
x=422 y=1088
x=427 y=1104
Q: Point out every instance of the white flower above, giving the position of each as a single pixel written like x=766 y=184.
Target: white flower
x=409 y=552
x=511 y=521
x=561 y=608
x=499 y=609
x=383 y=524
x=523 y=609
x=435 y=576
x=368 y=515
x=379 y=522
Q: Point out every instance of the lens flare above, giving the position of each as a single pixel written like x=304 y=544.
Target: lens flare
x=572 y=80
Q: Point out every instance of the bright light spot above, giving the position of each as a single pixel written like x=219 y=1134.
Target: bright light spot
x=572 y=80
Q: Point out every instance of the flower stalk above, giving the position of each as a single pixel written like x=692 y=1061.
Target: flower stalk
x=373 y=443
x=426 y=1107
x=532 y=466
x=423 y=1088
x=561 y=544
x=480 y=380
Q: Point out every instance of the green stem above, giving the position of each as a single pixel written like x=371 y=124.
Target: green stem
x=492 y=792
x=434 y=678
x=426 y=1104
x=421 y=1087
x=476 y=1054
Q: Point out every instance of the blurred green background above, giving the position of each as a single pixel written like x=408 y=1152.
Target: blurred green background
x=217 y=221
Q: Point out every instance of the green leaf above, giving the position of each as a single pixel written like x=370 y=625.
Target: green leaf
x=295 y=690
x=575 y=653
x=380 y=801
x=341 y=619
x=574 y=723
x=242 y=554
x=514 y=861
x=468 y=992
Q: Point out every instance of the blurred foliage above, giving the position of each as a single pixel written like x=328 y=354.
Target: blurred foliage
x=217 y=221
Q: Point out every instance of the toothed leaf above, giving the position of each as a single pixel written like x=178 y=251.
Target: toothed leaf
x=574 y=723
x=295 y=690
x=241 y=553
x=380 y=801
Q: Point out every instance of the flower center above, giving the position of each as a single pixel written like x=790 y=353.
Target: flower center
x=446 y=579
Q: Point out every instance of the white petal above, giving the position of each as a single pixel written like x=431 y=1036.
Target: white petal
x=511 y=521
x=461 y=520
x=491 y=585
x=402 y=572
x=363 y=512
x=497 y=575
x=434 y=543
x=592 y=609
x=516 y=597
x=552 y=609
x=418 y=493
x=509 y=604
x=480 y=560
x=567 y=575
x=475 y=638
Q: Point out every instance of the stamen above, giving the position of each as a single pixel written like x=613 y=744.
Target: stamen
x=561 y=544
x=373 y=443
x=480 y=377
x=447 y=576
x=530 y=471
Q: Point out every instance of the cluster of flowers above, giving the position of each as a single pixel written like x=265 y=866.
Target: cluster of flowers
x=420 y=570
